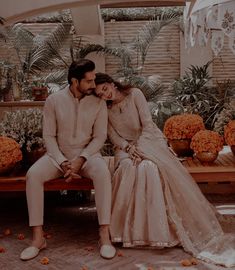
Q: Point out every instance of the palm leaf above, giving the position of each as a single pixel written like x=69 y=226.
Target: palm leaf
x=82 y=52
x=2 y=29
x=58 y=77
x=150 y=30
x=2 y=20
x=21 y=38
x=149 y=87
x=46 y=49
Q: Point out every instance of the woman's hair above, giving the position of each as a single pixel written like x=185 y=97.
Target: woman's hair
x=78 y=69
x=105 y=78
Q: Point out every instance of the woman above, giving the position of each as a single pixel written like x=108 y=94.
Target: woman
x=155 y=200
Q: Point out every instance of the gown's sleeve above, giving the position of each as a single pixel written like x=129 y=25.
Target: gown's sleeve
x=50 y=132
x=149 y=129
x=115 y=138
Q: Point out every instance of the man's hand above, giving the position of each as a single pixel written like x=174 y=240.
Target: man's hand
x=65 y=165
x=74 y=168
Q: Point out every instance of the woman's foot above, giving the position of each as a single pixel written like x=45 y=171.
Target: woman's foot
x=107 y=250
x=33 y=250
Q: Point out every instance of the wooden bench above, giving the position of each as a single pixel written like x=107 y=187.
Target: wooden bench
x=218 y=177
x=17 y=183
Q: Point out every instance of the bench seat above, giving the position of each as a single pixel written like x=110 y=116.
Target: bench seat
x=218 y=177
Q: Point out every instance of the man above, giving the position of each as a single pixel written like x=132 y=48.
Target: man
x=74 y=130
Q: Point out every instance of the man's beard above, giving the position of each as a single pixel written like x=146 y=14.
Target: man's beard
x=88 y=92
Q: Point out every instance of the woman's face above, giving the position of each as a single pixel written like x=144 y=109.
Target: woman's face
x=106 y=91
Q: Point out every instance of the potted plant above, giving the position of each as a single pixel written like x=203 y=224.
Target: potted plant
x=6 y=90
x=206 y=145
x=25 y=127
x=36 y=53
x=229 y=135
x=179 y=130
x=39 y=91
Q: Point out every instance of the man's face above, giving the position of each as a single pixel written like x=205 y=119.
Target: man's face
x=87 y=85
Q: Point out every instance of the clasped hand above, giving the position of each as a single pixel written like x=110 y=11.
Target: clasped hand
x=134 y=154
x=71 y=168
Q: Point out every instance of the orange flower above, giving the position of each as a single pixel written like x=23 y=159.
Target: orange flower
x=194 y=261
x=47 y=235
x=20 y=236
x=44 y=261
x=2 y=250
x=120 y=254
x=10 y=152
x=229 y=133
x=207 y=141
x=7 y=232
x=183 y=126
x=186 y=262
x=89 y=248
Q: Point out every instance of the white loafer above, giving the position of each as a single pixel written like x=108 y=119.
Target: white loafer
x=107 y=251
x=31 y=252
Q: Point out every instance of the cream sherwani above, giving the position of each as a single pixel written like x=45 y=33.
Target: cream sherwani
x=71 y=128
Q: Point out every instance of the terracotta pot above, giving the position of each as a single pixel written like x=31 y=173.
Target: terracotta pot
x=40 y=93
x=207 y=157
x=233 y=149
x=8 y=97
x=181 y=147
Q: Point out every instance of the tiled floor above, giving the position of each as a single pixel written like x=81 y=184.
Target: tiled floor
x=74 y=231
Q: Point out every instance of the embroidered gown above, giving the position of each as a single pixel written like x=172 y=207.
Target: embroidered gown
x=157 y=203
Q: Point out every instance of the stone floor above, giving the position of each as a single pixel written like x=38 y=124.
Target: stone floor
x=73 y=227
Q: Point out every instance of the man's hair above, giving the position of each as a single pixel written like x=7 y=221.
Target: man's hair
x=78 y=69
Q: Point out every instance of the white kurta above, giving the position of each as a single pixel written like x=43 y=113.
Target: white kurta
x=73 y=127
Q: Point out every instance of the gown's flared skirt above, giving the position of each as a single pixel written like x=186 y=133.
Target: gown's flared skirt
x=158 y=204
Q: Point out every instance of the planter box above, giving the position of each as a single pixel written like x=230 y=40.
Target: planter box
x=40 y=93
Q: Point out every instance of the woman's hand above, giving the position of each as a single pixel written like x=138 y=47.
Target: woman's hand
x=134 y=154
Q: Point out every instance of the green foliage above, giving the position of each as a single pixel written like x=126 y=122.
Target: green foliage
x=131 y=14
x=2 y=20
x=36 y=53
x=193 y=85
x=194 y=94
x=25 y=127
x=6 y=72
x=128 y=73
x=222 y=118
x=131 y=72
x=162 y=110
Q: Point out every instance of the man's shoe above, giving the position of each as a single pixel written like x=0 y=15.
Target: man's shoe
x=107 y=251
x=31 y=252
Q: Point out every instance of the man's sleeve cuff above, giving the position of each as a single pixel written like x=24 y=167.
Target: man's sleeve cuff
x=84 y=154
x=61 y=159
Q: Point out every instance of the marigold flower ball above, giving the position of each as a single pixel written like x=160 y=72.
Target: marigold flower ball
x=10 y=152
